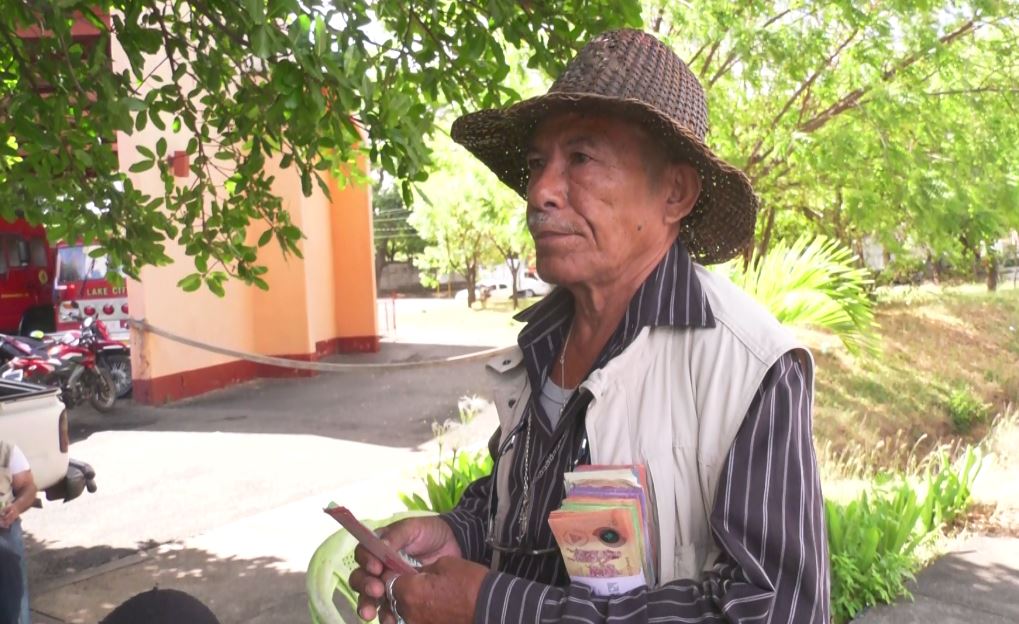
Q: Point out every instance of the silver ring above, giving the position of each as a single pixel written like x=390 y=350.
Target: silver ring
x=392 y=599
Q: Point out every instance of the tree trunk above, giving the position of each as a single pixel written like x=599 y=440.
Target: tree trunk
x=471 y=276
x=769 y=225
x=513 y=263
x=992 y=272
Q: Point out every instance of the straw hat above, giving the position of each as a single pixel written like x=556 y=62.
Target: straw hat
x=631 y=74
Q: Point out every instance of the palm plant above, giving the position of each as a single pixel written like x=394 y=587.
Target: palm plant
x=813 y=282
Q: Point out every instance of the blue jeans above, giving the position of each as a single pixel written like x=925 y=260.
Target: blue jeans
x=12 y=539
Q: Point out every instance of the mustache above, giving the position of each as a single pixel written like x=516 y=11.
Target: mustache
x=539 y=222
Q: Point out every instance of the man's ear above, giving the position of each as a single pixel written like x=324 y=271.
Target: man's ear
x=684 y=190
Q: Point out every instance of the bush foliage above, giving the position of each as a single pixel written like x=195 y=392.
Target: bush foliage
x=813 y=282
x=447 y=483
x=874 y=541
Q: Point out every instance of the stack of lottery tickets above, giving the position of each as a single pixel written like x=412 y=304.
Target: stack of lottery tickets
x=606 y=528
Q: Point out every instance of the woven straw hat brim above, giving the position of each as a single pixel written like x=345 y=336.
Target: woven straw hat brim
x=719 y=227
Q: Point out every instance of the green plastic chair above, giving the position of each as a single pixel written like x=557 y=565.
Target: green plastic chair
x=329 y=569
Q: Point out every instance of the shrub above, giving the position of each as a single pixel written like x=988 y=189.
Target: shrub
x=815 y=283
x=965 y=409
x=949 y=488
x=447 y=483
x=874 y=540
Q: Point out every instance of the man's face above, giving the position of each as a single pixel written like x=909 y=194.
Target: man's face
x=592 y=208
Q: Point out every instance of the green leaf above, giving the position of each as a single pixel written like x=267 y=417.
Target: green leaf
x=134 y=104
x=265 y=238
x=141 y=165
x=161 y=147
x=260 y=42
x=190 y=283
x=256 y=11
x=215 y=285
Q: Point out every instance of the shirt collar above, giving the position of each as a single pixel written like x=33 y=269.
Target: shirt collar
x=670 y=296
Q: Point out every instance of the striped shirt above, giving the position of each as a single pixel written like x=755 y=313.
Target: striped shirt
x=768 y=516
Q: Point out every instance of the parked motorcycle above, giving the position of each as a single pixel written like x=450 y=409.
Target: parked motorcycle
x=72 y=364
x=114 y=356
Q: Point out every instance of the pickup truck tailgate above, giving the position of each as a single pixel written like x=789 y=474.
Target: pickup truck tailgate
x=30 y=417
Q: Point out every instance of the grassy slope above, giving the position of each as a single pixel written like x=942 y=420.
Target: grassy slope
x=874 y=411
x=871 y=411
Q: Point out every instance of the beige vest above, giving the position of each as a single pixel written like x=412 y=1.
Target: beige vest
x=674 y=401
x=6 y=486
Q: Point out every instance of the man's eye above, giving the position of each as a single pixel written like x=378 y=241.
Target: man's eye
x=534 y=164
x=579 y=158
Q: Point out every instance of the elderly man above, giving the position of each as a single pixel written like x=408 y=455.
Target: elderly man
x=641 y=356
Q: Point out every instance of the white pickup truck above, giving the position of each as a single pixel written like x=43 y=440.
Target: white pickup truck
x=33 y=418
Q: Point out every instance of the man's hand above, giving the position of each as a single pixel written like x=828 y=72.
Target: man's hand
x=445 y=592
x=426 y=539
x=8 y=516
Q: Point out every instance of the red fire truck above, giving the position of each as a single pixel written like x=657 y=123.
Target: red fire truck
x=40 y=284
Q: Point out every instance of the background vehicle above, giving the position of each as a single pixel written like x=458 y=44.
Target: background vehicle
x=80 y=283
x=40 y=282
x=33 y=418
x=530 y=285
x=26 y=279
x=496 y=290
x=72 y=364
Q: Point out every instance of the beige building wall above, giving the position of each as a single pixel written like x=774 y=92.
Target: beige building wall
x=315 y=306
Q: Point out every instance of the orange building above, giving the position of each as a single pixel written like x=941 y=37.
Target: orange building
x=315 y=306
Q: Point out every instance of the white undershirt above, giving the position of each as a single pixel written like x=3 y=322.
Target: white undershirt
x=553 y=398
x=18 y=462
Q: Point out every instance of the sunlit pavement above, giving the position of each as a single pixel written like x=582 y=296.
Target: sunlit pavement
x=221 y=496
x=977 y=582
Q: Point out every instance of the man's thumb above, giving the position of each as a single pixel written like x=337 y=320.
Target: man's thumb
x=399 y=534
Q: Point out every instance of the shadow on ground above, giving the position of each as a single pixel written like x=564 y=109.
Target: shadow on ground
x=385 y=407
x=979 y=582
x=238 y=590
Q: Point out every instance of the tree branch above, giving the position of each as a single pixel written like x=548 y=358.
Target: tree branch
x=828 y=62
x=950 y=92
x=726 y=66
x=852 y=99
x=710 y=57
x=755 y=156
x=775 y=18
x=697 y=54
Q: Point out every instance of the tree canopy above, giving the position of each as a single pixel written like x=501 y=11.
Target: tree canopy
x=395 y=238
x=468 y=218
x=894 y=119
x=311 y=84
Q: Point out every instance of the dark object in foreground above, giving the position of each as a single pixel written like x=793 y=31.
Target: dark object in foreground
x=161 y=606
x=10 y=586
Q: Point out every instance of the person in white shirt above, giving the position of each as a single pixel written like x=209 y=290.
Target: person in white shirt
x=17 y=494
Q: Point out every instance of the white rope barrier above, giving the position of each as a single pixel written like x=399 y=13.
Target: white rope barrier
x=322 y=367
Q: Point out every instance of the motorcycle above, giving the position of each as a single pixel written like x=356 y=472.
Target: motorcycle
x=114 y=356
x=70 y=364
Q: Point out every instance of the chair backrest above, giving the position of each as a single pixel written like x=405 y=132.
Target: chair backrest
x=329 y=569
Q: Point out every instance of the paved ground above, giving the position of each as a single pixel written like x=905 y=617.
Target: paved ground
x=978 y=582
x=221 y=496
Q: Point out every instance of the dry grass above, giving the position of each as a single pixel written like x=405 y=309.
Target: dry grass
x=887 y=411
x=996 y=492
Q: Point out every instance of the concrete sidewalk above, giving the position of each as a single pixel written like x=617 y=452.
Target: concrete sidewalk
x=249 y=571
x=977 y=582
x=221 y=496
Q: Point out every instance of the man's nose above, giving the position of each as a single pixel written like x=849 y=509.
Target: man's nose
x=547 y=187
